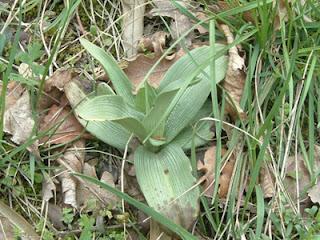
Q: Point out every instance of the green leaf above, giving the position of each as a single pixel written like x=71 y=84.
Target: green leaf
x=140 y=100
x=119 y=79
x=104 y=89
x=184 y=234
x=190 y=101
x=112 y=108
x=109 y=132
x=167 y=183
x=191 y=61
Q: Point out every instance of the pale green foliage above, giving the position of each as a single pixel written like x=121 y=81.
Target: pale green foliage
x=161 y=119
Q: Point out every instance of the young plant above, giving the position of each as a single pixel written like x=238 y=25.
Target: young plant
x=161 y=120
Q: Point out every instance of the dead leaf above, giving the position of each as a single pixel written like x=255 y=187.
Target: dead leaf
x=58 y=80
x=180 y=23
x=18 y=119
x=208 y=168
x=282 y=12
x=314 y=193
x=68 y=126
x=137 y=69
x=291 y=179
x=74 y=159
x=55 y=216
x=235 y=77
x=267 y=182
x=155 y=43
x=102 y=197
x=48 y=188
x=201 y=16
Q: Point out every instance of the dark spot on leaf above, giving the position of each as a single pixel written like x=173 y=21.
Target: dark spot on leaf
x=166 y=171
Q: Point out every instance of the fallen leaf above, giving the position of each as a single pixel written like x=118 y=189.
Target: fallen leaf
x=267 y=182
x=314 y=193
x=301 y=176
x=208 y=168
x=102 y=197
x=155 y=43
x=74 y=159
x=282 y=12
x=235 y=77
x=18 y=119
x=138 y=68
x=180 y=23
x=59 y=79
x=201 y=16
x=55 y=216
x=68 y=127
x=48 y=188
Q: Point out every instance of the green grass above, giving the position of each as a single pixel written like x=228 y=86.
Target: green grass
x=281 y=99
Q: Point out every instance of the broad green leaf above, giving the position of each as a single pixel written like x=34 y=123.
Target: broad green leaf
x=112 y=108
x=186 y=108
x=188 y=63
x=104 y=89
x=108 y=132
x=167 y=183
x=195 y=95
x=141 y=98
x=183 y=233
x=202 y=132
x=119 y=79
x=161 y=104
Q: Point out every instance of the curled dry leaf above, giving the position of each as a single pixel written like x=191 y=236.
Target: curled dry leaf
x=282 y=12
x=314 y=193
x=235 y=77
x=201 y=16
x=68 y=127
x=208 y=168
x=297 y=175
x=73 y=158
x=138 y=68
x=101 y=197
x=18 y=119
x=155 y=43
x=59 y=79
x=48 y=188
x=180 y=23
x=267 y=182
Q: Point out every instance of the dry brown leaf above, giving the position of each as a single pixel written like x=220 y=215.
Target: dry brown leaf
x=155 y=43
x=282 y=12
x=267 y=182
x=74 y=159
x=85 y=195
x=18 y=119
x=235 y=77
x=227 y=5
x=208 y=168
x=137 y=69
x=48 y=188
x=68 y=126
x=55 y=216
x=201 y=16
x=180 y=23
x=314 y=193
x=58 y=80
x=291 y=180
